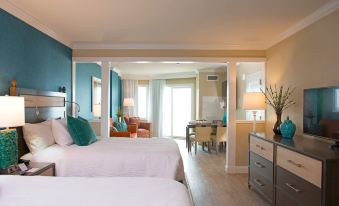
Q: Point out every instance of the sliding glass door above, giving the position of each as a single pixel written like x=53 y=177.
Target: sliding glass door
x=178 y=109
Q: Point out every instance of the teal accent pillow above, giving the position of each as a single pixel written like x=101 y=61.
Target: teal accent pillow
x=121 y=127
x=8 y=148
x=81 y=131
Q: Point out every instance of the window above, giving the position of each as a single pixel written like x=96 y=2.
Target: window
x=336 y=99
x=177 y=109
x=142 y=101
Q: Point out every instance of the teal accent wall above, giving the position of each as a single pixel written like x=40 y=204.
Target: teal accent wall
x=83 y=87
x=115 y=94
x=34 y=59
x=83 y=92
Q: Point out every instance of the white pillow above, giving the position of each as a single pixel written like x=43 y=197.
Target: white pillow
x=60 y=132
x=38 y=136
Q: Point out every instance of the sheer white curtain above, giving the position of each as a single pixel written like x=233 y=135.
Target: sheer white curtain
x=156 y=92
x=130 y=90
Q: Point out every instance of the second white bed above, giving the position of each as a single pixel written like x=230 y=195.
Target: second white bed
x=72 y=191
x=116 y=157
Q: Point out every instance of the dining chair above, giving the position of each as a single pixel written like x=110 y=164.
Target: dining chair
x=219 y=137
x=202 y=135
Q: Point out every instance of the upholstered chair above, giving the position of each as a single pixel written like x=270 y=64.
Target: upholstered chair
x=202 y=135
x=219 y=137
x=144 y=129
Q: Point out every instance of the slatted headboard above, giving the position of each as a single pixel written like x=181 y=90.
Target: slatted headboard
x=39 y=106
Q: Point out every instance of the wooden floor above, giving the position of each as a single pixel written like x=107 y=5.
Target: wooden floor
x=209 y=183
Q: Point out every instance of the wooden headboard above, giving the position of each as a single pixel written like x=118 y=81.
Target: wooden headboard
x=39 y=106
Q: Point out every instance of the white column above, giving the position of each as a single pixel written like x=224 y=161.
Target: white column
x=105 y=99
x=74 y=73
x=231 y=111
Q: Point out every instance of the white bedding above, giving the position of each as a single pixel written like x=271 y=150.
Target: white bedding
x=116 y=157
x=73 y=191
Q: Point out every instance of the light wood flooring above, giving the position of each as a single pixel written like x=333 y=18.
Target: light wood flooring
x=209 y=183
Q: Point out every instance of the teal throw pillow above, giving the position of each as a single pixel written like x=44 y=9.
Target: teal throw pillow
x=81 y=131
x=121 y=127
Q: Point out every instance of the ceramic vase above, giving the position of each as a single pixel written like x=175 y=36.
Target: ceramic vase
x=276 y=128
x=287 y=129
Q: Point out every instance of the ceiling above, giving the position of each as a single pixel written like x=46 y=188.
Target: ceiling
x=165 y=70
x=216 y=24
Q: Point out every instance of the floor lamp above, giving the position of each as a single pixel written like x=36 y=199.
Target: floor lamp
x=254 y=101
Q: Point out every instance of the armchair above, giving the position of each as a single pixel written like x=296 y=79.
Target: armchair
x=144 y=129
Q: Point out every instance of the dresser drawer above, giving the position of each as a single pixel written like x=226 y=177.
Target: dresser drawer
x=283 y=199
x=262 y=185
x=297 y=188
x=305 y=167
x=261 y=166
x=262 y=148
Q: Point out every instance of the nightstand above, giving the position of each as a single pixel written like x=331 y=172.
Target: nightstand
x=44 y=169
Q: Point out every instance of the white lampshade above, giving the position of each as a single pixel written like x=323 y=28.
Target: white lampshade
x=12 y=111
x=128 y=102
x=254 y=101
x=97 y=110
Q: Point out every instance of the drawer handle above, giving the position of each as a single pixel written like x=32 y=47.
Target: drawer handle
x=293 y=188
x=294 y=163
x=260 y=147
x=258 y=164
x=258 y=182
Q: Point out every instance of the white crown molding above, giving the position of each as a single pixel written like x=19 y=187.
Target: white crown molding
x=305 y=22
x=245 y=46
x=29 y=19
x=180 y=75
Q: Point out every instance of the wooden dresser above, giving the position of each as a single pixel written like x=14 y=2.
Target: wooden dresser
x=302 y=171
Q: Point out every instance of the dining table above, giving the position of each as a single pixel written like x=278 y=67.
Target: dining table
x=192 y=126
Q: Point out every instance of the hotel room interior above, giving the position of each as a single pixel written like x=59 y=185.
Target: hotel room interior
x=169 y=103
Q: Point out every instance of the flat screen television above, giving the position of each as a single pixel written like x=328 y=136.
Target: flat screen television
x=321 y=112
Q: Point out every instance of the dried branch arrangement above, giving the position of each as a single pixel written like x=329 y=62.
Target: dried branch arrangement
x=279 y=99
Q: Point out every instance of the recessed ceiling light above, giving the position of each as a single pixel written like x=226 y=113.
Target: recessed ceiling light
x=175 y=62
x=142 y=62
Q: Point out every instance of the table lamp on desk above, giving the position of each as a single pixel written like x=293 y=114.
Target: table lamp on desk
x=254 y=101
x=12 y=114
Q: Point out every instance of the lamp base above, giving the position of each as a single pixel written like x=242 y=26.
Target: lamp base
x=8 y=148
x=254 y=120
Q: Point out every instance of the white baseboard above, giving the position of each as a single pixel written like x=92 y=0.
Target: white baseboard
x=236 y=169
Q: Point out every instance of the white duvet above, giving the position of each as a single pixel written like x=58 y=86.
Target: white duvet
x=116 y=157
x=74 y=191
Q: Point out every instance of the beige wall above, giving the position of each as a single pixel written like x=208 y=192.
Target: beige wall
x=209 y=88
x=143 y=82
x=242 y=148
x=310 y=58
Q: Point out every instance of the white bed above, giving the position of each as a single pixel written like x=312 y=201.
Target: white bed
x=116 y=157
x=72 y=191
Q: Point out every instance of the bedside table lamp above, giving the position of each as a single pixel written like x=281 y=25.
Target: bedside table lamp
x=12 y=114
x=254 y=101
